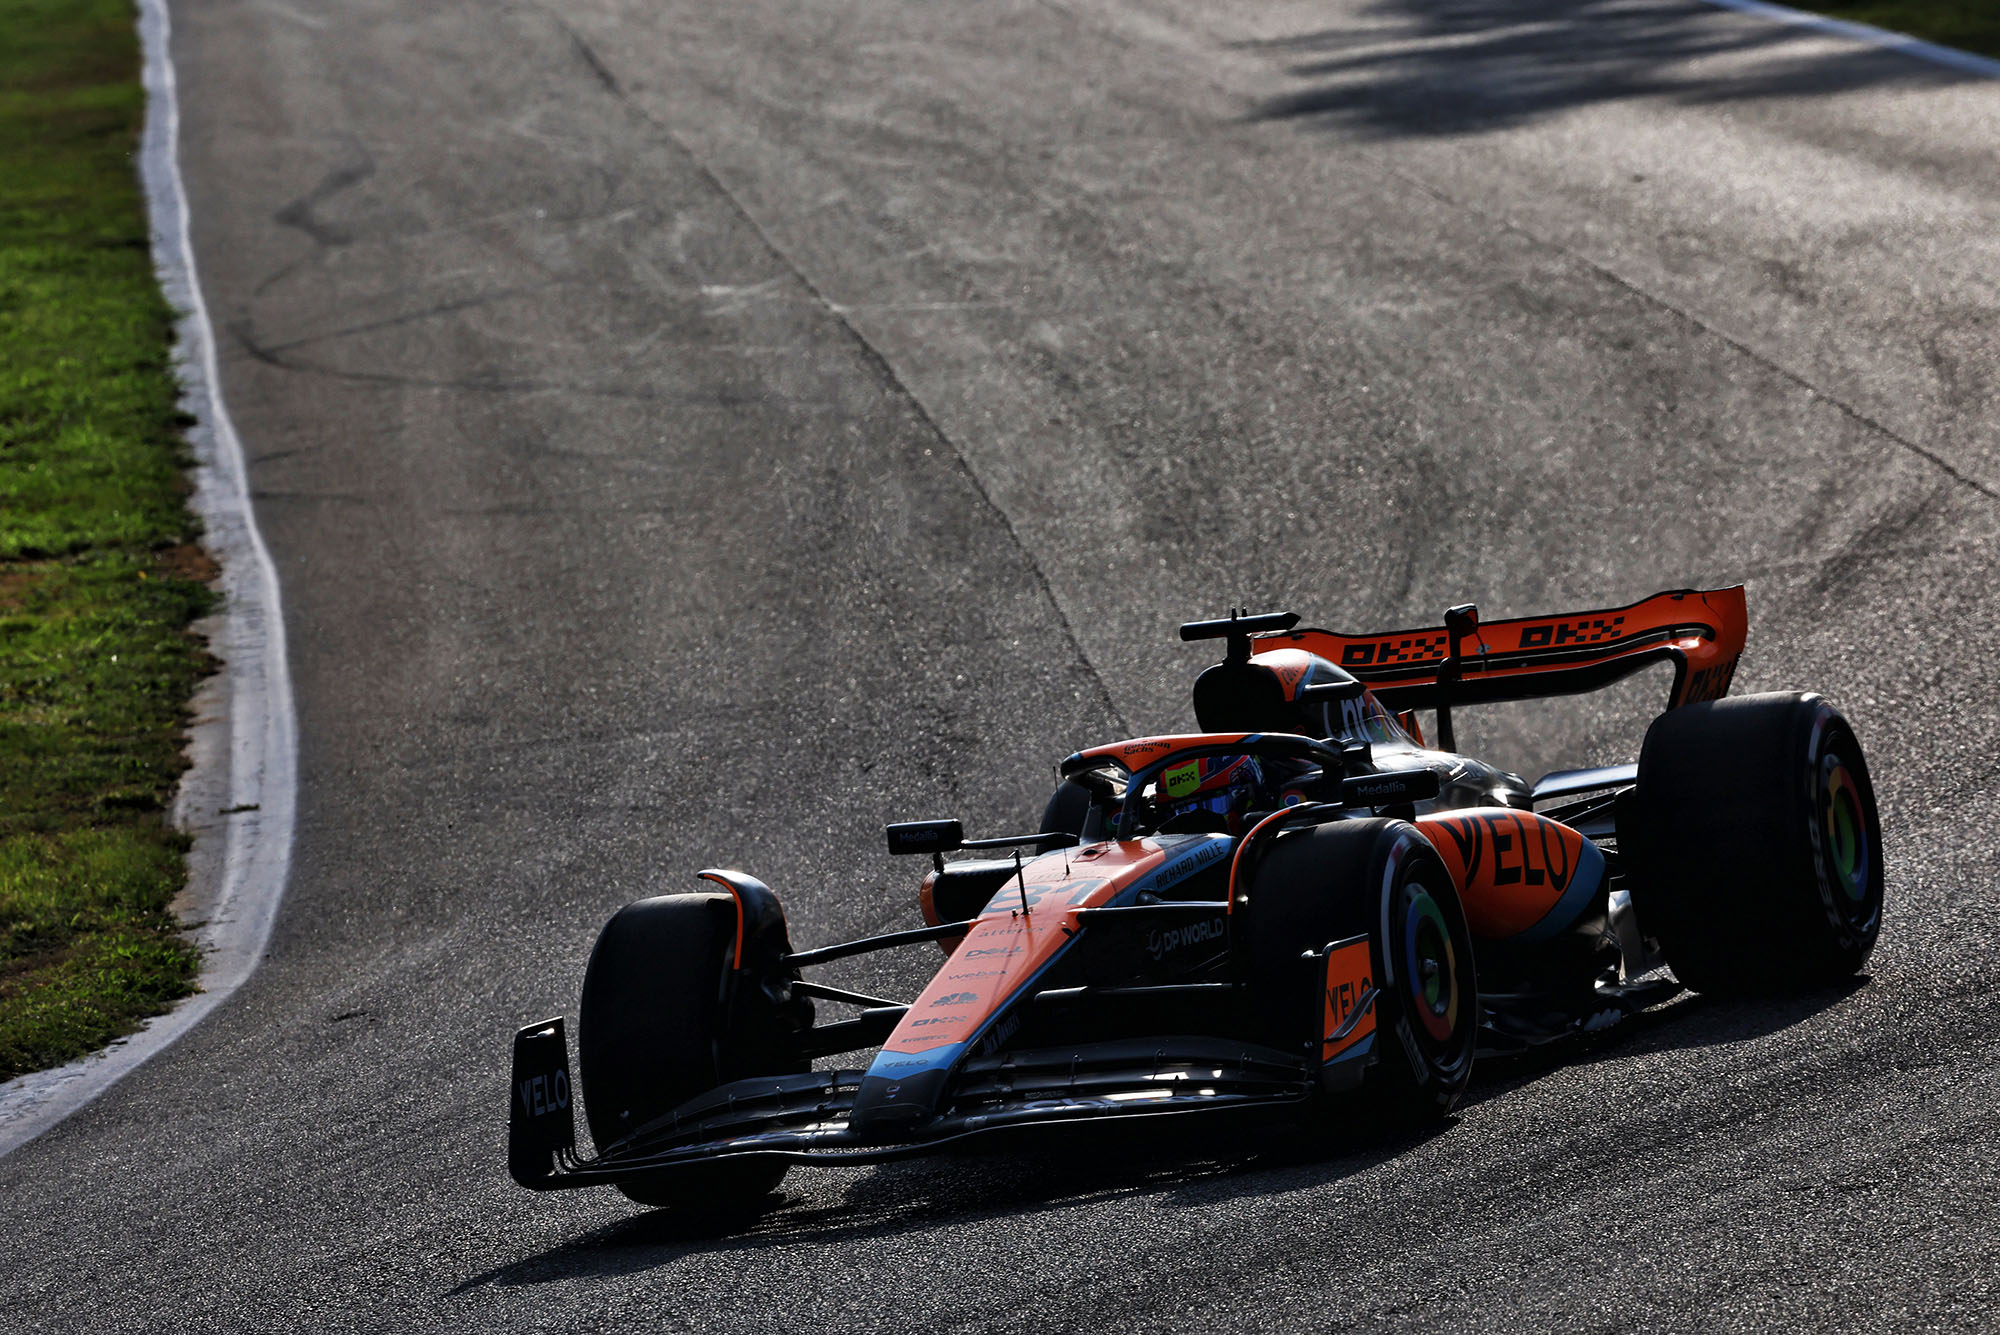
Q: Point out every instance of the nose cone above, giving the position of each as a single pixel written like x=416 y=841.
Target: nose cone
x=900 y=1093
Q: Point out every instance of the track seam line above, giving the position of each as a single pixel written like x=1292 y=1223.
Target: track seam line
x=873 y=354
x=1688 y=317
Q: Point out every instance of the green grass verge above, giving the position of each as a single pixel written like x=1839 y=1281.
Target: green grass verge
x=98 y=581
x=1970 y=25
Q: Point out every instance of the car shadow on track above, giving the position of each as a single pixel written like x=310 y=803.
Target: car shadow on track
x=1696 y=1021
x=1689 y=1021
x=1437 y=67
x=917 y=1195
x=1180 y=1164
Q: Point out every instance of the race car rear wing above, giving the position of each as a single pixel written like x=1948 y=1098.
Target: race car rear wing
x=1701 y=632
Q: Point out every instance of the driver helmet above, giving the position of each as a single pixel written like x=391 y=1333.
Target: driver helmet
x=1223 y=785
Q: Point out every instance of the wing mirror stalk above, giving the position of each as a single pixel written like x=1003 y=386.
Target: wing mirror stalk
x=1459 y=622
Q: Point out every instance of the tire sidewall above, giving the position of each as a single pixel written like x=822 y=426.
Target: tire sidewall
x=1831 y=740
x=1435 y=1073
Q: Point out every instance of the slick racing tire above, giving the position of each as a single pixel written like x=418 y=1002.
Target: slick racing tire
x=649 y=1038
x=1383 y=879
x=1752 y=844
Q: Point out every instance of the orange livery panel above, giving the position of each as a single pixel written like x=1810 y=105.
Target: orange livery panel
x=965 y=1008
x=1350 y=998
x=1522 y=877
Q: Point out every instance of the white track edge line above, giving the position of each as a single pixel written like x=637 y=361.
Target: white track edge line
x=1948 y=56
x=254 y=760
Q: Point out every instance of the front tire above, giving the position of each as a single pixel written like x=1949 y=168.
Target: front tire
x=1384 y=879
x=1753 y=843
x=649 y=1038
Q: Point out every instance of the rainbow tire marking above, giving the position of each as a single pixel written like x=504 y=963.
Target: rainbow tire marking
x=1430 y=965
x=1845 y=828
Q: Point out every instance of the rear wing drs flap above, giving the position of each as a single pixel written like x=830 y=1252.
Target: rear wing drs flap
x=1700 y=631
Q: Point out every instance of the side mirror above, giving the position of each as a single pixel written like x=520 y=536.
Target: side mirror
x=925 y=836
x=1238 y=629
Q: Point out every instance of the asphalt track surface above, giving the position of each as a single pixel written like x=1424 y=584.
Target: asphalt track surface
x=696 y=434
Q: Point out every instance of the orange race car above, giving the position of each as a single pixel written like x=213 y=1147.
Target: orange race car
x=1279 y=914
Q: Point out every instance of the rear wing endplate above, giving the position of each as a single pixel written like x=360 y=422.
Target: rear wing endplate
x=1701 y=632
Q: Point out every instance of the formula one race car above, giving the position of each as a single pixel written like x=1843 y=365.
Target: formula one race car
x=1280 y=913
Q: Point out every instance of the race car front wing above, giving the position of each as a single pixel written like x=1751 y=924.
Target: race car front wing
x=804 y=1118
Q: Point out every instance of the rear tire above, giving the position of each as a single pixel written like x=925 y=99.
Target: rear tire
x=1382 y=878
x=649 y=1038
x=1753 y=845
